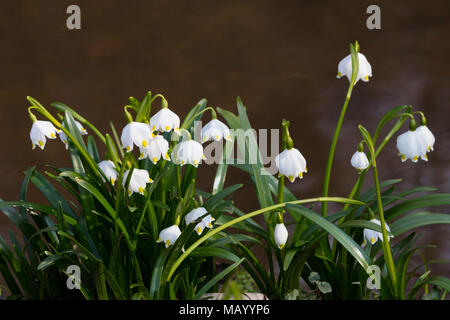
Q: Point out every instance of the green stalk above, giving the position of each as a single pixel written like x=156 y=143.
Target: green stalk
x=250 y=215
x=326 y=181
x=385 y=244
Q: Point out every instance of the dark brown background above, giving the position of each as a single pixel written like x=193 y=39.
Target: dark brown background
x=279 y=56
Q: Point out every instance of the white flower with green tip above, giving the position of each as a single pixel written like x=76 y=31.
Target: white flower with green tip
x=359 y=161
x=372 y=236
x=109 y=169
x=156 y=149
x=215 y=130
x=169 y=235
x=364 y=68
x=188 y=152
x=137 y=133
x=207 y=222
x=138 y=181
x=40 y=131
x=280 y=235
x=165 y=120
x=291 y=164
x=411 y=147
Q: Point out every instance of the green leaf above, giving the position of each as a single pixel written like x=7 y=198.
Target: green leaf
x=417 y=203
x=418 y=219
x=217 y=278
x=352 y=247
x=214 y=252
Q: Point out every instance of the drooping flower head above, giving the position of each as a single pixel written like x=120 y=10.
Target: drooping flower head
x=194 y=214
x=280 y=235
x=411 y=146
x=359 y=159
x=291 y=164
x=137 y=133
x=188 y=152
x=138 y=180
x=63 y=137
x=364 y=68
x=425 y=135
x=372 y=236
x=109 y=169
x=215 y=130
x=156 y=149
x=165 y=120
x=205 y=223
x=169 y=235
x=40 y=130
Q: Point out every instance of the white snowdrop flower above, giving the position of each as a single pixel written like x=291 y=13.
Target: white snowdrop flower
x=63 y=137
x=205 y=223
x=281 y=235
x=188 y=152
x=169 y=235
x=359 y=160
x=40 y=130
x=291 y=164
x=410 y=146
x=137 y=133
x=165 y=120
x=215 y=130
x=138 y=180
x=426 y=137
x=194 y=214
x=157 y=148
x=372 y=236
x=109 y=169
x=364 y=68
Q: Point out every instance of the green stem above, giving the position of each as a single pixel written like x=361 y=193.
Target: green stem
x=326 y=182
x=250 y=215
x=386 y=246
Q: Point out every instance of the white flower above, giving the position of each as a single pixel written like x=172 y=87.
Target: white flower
x=40 y=130
x=194 y=214
x=280 y=234
x=372 y=236
x=215 y=130
x=359 y=160
x=169 y=235
x=138 y=180
x=109 y=169
x=188 y=152
x=364 y=68
x=165 y=120
x=205 y=223
x=410 y=146
x=63 y=136
x=137 y=133
x=426 y=137
x=291 y=164
x=157 y=147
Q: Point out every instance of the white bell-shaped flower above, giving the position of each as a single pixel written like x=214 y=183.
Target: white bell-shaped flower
x=194 y=214
x=426 y=137
x=169 y=235
x=156 y=149
x=188 y=152
x=205 y=223
x=63 y=137
x=109 y=169
x=364 y=68
x=165 y=120
x=215 y=130
x=410 y=146
x=280 y=235
x=359 y=161
x=291 y=164
x=138 y=180
x=137 y=133
x=372 y=236
x=40 y=130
